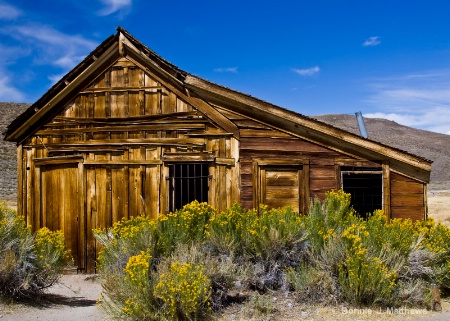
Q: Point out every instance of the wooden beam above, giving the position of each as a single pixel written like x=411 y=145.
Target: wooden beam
x=386 y=190
x=132 y=141
x=58 y=160
x=225 y=161
x=188 y=157
x=122 y=162
x=126 y=128
x=175 y=86
x=119 y=89
x=179 y=116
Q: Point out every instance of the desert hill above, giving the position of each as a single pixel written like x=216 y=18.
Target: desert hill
x=432 y=146
x=8 y=154
x=429 y=145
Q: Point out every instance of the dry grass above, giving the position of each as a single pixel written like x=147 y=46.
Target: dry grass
x=439 y=206
x=288 y=308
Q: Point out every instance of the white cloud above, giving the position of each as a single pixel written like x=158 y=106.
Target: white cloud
x=8 y=12
x=112 y=6
x=55 y=78
x=233 y=70
x=307 y=72
x=7 y=92
x=420 y=100
x=51 y=46
x=372 y=41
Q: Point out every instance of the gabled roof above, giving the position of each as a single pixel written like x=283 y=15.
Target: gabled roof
x=204 y=95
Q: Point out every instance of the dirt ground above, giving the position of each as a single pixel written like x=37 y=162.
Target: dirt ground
x=74 y=298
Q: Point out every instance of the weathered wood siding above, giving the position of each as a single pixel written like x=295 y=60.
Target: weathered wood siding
x=277 y=149
x=118 y=134
x=407 y=198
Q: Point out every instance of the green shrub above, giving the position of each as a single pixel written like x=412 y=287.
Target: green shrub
x=28 y=263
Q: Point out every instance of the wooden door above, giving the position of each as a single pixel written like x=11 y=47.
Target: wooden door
x=60 y=205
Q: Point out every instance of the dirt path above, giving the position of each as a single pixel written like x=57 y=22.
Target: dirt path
x=73 y=299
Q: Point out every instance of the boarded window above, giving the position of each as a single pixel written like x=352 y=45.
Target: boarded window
x=280 y=186
x=365 y=187
x=187 y=182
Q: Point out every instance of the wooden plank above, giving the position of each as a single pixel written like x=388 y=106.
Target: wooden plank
x=405 y=187
x=281 y=144
x=407 y=200
x=120 y=89
x=105 y=162
x=322 y=185
x=323 y=173
x=281 y=192
x=235 y=184
x=225 y=161
x=82 y=215
x=39 y=198
x=279 y=177
x=58 y=160
x=305 y=192
x=386 y=191
x=124 y=121
x=20 y=186
x=140 y=141
x=91 y=219
x=119 y=190
x=30 y=187
x=188 y=157
x=414 y=213
x=269 y=133
x=247 y=123
x=153 y=194
x=134 y=191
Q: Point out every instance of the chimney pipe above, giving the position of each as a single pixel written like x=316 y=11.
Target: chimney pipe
x=361 y=125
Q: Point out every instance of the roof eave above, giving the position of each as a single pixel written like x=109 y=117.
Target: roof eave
x=303 y=125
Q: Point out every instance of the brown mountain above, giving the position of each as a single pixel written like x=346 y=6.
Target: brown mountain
x=429 y=145
x=8 y=154
x=432 y=146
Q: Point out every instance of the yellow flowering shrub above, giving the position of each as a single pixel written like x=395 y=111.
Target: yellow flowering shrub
x=364 y=278
x=50 y=249
x=186 y=225
x=185 y=291
x=137 y=285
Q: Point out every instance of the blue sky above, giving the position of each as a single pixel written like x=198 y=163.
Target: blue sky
x=387 y=59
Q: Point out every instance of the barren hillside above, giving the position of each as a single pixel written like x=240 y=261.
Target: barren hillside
x=8 y=155
x=429 y=145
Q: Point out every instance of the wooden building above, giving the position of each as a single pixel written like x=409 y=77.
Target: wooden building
x=127 y=133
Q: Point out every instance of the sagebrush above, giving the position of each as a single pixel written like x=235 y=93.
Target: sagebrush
x=192 y=263
x=29 y=262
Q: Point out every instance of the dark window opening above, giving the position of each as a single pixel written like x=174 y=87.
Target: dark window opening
x=366 y=189
x=187 y=182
